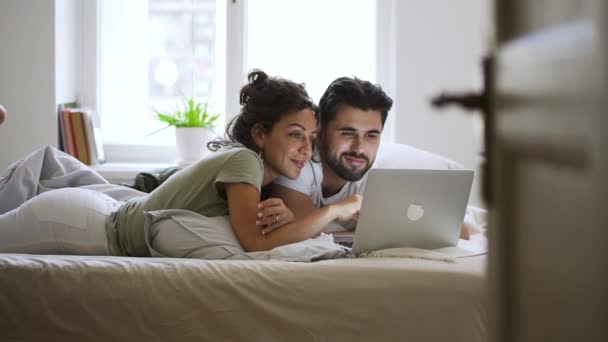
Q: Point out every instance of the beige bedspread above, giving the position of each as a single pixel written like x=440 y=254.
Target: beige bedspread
x=76 y=298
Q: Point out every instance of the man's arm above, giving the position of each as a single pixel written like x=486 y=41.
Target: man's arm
x=242 y=206
x=300 y=204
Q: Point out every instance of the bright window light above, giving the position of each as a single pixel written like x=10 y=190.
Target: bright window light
x=312 y=41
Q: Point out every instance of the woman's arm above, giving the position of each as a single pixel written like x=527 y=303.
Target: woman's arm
x=273 y=213
x=242 y=206
x=298 y=202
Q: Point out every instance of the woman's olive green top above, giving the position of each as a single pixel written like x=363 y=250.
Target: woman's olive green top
x=198 y=188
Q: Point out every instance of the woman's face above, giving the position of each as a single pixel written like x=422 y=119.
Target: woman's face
x=288 y=146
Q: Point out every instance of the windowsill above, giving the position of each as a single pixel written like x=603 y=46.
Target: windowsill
x=125 y=172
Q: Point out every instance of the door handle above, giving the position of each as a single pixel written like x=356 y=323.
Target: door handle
x=482 y=102
x=468 y=101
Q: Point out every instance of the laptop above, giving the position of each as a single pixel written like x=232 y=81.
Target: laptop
x=412 y=208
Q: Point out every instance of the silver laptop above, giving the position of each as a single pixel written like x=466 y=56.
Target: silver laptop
x=412 y=208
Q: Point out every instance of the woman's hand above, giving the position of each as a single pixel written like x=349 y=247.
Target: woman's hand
x=348 y=208
x=273 y=214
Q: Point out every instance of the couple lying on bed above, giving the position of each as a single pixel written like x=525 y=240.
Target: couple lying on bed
x=262 y=177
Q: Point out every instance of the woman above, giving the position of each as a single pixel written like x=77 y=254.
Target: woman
x=271 y=136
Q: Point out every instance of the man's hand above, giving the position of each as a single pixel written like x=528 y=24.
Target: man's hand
x=465 y=232
x=273 y=214
x=348 y=208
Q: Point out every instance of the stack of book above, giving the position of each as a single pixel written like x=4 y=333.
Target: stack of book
x=78 y=135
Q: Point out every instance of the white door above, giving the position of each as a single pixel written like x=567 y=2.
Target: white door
x=548 y=152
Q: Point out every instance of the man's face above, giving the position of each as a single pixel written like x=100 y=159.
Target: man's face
x=349 y=142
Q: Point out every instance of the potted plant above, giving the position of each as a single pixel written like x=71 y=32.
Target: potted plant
x=193 y=129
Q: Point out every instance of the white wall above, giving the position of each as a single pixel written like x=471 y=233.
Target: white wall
x=36 y=72
x=439 y=46
x=27 y=77
x=68 y=49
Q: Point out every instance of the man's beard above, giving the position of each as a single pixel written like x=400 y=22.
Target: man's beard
x=337 y=164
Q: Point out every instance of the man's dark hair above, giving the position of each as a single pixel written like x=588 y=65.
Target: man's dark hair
x=353 y=92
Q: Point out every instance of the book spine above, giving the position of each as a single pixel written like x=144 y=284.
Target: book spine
x=80 y=139
x=83 y=131
x=60 y=129
x=90 y=137
x=67 y=129
x=72 y=120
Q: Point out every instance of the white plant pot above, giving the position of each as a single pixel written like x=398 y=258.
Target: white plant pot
x=192 y=143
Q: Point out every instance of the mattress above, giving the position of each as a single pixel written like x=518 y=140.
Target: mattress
x=83 y=298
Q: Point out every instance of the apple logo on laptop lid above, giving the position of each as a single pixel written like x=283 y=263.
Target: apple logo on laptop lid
x=415 y=212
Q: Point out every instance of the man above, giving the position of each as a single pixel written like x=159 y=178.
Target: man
x=352 y=113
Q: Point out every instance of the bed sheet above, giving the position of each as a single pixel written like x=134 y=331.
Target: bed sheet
x=82 y=298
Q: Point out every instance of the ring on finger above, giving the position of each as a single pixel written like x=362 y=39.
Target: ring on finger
x=276 y=218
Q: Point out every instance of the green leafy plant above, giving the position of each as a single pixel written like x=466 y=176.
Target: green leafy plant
x=192 y=114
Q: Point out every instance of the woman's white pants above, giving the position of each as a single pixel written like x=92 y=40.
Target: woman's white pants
x=62 y=221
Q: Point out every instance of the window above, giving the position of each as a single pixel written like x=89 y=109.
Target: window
x=152 y=53
x=181 y=55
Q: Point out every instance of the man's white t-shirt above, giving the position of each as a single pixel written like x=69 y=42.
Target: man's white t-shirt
x=309 y=183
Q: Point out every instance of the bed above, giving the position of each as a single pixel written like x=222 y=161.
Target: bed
x=83 y=298
x=77 y=298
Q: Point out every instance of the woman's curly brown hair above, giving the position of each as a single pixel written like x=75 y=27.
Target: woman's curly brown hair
x=264 y=100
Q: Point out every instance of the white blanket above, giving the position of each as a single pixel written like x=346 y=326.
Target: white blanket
x=47 y=169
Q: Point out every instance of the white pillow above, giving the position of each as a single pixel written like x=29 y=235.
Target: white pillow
x=402 y=156
x=185 y=234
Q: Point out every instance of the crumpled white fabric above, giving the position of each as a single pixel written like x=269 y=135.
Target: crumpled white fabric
x=181 y=233
x=319 y=248
x=48 y=169
x=476 y=219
